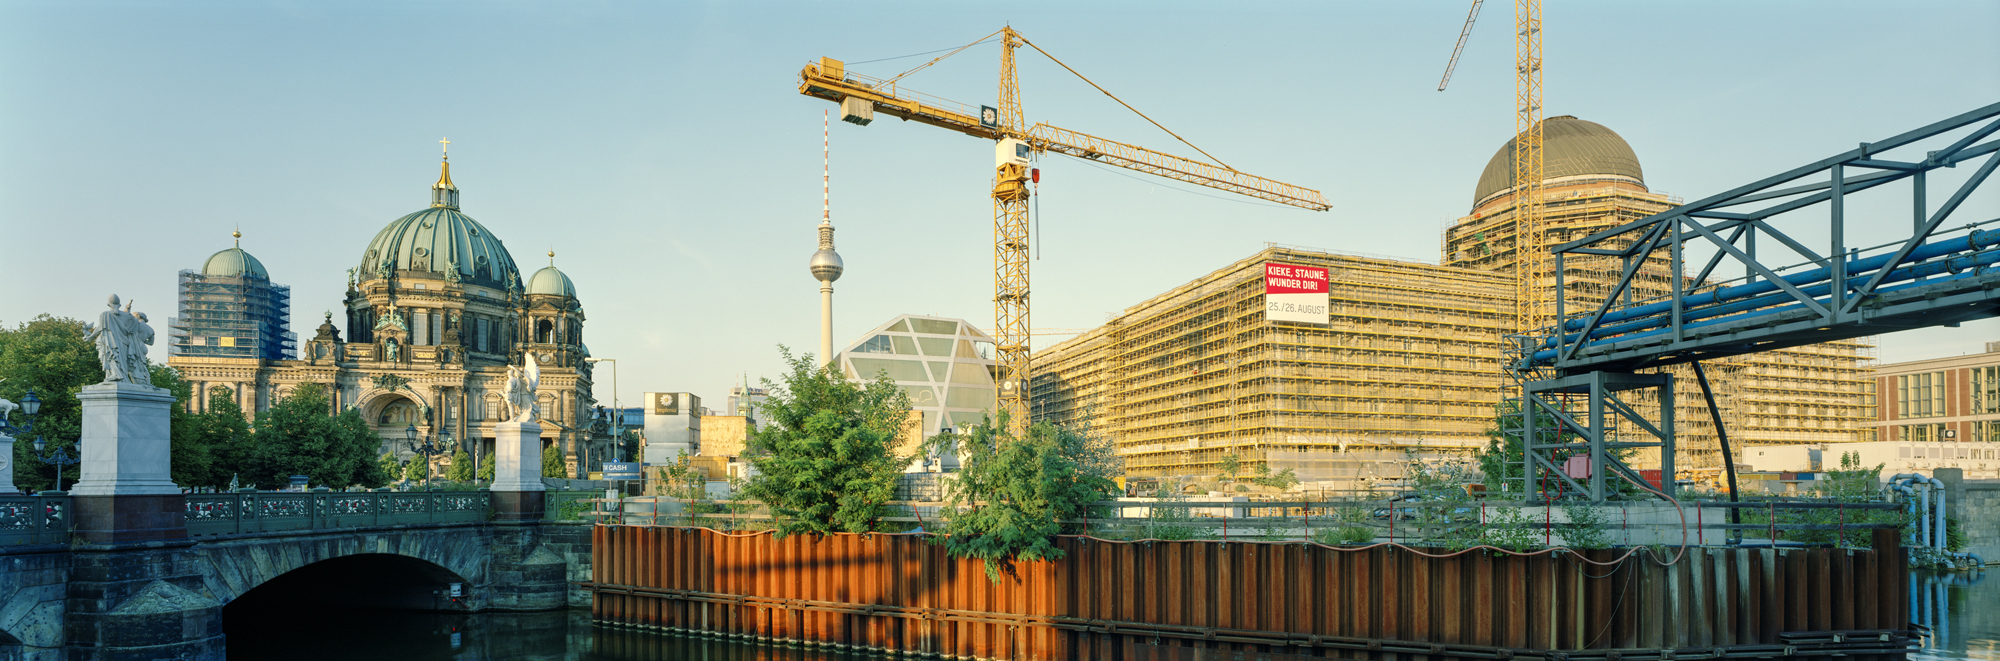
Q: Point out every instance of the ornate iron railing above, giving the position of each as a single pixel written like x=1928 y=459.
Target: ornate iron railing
x=34 y=520
x=272 y=511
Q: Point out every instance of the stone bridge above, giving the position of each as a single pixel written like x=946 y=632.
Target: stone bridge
x=66 y=593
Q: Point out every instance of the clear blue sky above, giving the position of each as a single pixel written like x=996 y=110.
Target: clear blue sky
x=663 y=151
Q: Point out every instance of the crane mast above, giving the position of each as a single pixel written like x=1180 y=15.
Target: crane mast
x=1010 y=246
x=861 y=97
x=1531 y=236
x=1531 y=247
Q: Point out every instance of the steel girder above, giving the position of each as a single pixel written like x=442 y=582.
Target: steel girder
x=1931 y=277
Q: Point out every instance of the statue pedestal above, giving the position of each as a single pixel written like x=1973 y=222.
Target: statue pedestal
x=7 y=465
x=126 y=445
x=127 y=493
x=517 y=471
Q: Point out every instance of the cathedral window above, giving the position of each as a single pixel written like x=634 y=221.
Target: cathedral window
x=542 y=330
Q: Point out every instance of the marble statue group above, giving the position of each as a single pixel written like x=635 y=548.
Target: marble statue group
x=121 y=337
x=521 y=384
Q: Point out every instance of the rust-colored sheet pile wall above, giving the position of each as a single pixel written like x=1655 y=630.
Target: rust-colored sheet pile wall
x=1162 y=600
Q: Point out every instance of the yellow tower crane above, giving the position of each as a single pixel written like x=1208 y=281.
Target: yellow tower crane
x=860 y=97
x=1531 y=247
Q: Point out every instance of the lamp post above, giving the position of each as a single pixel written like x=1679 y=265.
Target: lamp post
x=428 y=449
x=30 y=406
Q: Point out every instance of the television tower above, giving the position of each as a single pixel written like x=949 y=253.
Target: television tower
x=826 y=265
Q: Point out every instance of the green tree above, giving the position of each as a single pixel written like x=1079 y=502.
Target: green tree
x=460 y=469
x=486 y=469
x=50 y=356
x=824 y=451
x=190 y=458
x=418 y=469
x=1500 y=460
x=1013 y=494
x=224 y=437
x=1227 y=468
x=299 y=436
x=552 y=462
x=390 y=465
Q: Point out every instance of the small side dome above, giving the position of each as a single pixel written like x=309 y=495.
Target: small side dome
x=552 y=282
x=233 y=263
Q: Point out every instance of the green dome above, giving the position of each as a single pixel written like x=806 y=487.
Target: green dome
x=1571 y=147
x=233 y=263
x=443 y=241
x=552 y=282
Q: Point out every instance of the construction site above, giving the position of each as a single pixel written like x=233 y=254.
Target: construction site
x=1409 y=360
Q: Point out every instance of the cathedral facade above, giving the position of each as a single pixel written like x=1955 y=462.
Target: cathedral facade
x=435 y=313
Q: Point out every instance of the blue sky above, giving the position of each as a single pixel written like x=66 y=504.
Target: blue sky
x=663 y=151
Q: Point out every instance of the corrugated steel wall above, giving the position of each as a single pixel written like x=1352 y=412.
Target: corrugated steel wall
x=1118 y=600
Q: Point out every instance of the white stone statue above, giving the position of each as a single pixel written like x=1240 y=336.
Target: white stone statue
x=521 y=384
x=121 y=339
x=7 y=408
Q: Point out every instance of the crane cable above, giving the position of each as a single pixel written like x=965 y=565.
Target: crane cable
x=921 y=67
x=1122 y=102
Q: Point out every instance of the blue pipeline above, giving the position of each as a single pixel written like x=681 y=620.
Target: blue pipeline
x=1963 y=267
x=1974 y=241
x=1934 y=268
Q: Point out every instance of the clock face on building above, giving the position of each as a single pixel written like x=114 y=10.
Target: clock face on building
x=545 y=358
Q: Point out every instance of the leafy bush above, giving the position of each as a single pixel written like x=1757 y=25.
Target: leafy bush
x=824 y=453
x=1013 y=494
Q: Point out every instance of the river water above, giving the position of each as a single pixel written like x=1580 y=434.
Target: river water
x=1962 y=611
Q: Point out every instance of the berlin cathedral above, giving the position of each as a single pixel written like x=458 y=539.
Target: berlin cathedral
x=435 y=313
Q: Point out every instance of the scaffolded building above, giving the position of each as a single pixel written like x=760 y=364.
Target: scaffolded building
x=1408 y=361
x=1410 y=358
x=231 y=309
x=1820 y=393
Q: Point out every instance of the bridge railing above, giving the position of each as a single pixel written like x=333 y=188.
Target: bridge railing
x=273 y=511
x=34 y=520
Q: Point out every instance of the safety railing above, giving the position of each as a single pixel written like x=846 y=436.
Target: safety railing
x=34 y=520
x=1416 y=523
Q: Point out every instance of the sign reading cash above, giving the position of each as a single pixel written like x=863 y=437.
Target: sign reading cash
x=1295 y=293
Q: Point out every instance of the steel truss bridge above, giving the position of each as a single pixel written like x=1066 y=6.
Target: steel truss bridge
x=1578 y=378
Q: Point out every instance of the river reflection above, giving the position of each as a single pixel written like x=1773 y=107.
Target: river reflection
x=1962 y=611
x=367 y=635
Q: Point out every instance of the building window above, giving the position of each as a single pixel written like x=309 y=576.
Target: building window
x=1922 y=434
x=1985 y=390
x=1920 y=395
x=1985 y=431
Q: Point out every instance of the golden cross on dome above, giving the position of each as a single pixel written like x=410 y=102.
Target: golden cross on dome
x=446 y=142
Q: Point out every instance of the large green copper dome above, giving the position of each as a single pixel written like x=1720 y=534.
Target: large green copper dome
x=1571 y=147
x=442 y=241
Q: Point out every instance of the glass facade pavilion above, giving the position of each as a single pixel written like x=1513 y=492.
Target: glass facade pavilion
x=946 y=365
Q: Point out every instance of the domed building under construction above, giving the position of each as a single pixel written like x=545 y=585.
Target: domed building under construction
x=1406 y=356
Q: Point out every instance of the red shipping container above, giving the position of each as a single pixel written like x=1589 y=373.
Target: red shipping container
x=1652 y=476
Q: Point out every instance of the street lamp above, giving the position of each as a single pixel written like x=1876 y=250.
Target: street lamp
x=428 y=449
x=30 y=406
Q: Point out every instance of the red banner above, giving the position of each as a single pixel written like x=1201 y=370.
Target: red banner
x=1293 y=279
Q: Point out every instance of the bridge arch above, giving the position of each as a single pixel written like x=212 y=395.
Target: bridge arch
x=431 y=556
